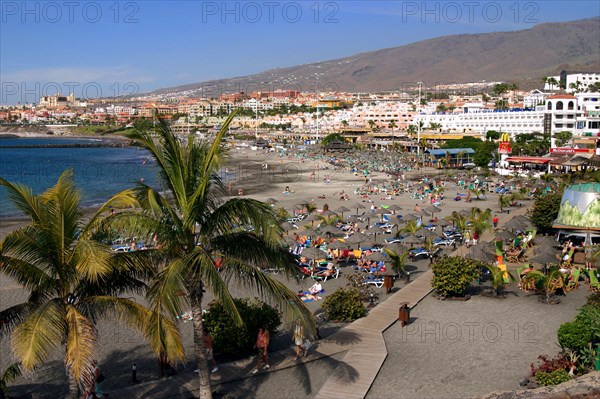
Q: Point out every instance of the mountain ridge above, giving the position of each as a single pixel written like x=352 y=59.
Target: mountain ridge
x=526 y=55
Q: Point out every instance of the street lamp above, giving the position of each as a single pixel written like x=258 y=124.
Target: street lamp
x=256 y=124
x=418 y=121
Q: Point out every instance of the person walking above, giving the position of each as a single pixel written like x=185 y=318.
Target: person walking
x=262 y=345
x=208 y=346
x=298 y=337
x=495 y=221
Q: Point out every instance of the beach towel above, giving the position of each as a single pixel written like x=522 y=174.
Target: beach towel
x=306 y=299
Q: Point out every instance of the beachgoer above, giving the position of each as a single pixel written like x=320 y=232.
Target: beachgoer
x=98 y=379
x=316 y=288
x=208 y=346
x=262 y=345
x=417 y=209
x=495 y=221
x=298 y=337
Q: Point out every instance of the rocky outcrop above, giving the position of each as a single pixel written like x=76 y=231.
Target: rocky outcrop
x=584 y=387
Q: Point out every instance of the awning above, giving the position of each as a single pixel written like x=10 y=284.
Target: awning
x=537 y=160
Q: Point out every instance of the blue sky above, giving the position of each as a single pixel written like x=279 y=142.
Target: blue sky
x=135 y=46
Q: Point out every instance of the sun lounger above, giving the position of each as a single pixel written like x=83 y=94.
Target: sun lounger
x=374 y=280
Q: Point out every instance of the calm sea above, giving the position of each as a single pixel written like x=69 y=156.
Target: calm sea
x=99 y=172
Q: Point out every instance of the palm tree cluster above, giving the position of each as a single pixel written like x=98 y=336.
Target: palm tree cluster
x=203 y=243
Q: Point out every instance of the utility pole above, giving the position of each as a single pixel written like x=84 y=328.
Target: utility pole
x=419 y=121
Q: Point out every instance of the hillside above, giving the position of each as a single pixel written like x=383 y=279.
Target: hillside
x=521 y=55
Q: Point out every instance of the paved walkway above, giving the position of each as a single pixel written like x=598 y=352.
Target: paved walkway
x=361 y=343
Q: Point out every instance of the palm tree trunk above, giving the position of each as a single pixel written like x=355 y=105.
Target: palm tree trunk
x=205 y=391
x=73 y=386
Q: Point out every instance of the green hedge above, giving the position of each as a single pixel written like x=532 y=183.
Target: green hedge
x=453 y=275
x=574 y=335
x=230 y=339
x=344 y=305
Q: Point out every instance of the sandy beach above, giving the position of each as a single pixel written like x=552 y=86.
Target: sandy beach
x=417 y=367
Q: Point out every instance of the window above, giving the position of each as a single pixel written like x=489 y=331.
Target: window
x=571 y=104
x=559 y=105
x=549 y=105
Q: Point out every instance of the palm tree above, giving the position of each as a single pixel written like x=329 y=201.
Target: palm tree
x=545 y=284
x=458 y=220
x=411 y=227
x=498 y=278
x=371 y=123
x=552 y=82
x=503 y=202
x=392 y=125
x=196 y=229
x=73 y=281
x=459 y=157
x=398 y=260
x=480 y=220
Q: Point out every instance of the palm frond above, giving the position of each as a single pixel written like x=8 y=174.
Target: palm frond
x=81 y=340
x=203 y=268
x=270 y=291
x=92 y=260
x=40 y=332
x=124 y=199
x=164 y=337
x=243 y=212
x=24 y=199
x=14 y=315
x=165 y=291
x=254 y=250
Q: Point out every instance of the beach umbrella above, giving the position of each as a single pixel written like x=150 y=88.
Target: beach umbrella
x=328 y=213
x=545 y=257
x=394 y=208
x=484 y=251
x=329 y=229
x=545 y=242
x=307 y=231
x=397 y=247
x=341 y=210
x=377 y=256
x=313 y=253
x=358 y=206
x=423 y=232
x=432 y=209
x=442 y=223
x=464 y=212
x=289 y=240
x=518 y=223
x=271 y=201
x=412 y=240
x=409 y=217
x=337 y=244
x=287 y=226
x=357 y=238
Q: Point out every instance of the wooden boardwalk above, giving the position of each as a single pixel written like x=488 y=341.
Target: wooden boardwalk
x=363 y=340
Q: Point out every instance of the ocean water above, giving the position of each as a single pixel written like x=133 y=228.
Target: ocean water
x=98 y=172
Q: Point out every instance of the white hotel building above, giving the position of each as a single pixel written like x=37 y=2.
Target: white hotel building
x=578 y=114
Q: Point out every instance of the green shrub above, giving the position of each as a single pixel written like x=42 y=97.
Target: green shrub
x=589 y=317
x=452 y=275
x=545 y=211
x=344 y=305
x=554 y=378
x=574 y=335
x=594 y=299
x=230 y=339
